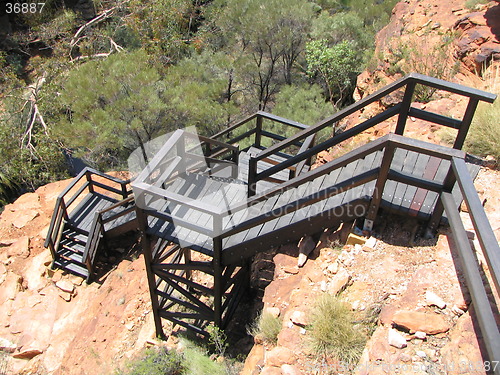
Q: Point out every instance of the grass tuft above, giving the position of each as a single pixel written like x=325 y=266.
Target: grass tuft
x=266 y=327
x=156 y=362
x=334 y=331
x=483 y=138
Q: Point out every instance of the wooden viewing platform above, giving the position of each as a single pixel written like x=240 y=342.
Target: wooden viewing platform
x=251 y=187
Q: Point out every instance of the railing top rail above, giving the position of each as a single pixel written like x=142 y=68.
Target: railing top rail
x=235 y=126
x=452 y=87
x=426 y=148
x=282 y=120
x=211 y=141
x=410 y=78
x=480 y=221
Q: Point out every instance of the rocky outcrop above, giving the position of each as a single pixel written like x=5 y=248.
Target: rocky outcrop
x=442 y=35
x=54 y=323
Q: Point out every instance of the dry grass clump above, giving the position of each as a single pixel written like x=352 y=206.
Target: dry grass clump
x=334 y=330
x=266 y=327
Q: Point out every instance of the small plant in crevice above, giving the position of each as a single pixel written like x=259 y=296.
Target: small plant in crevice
x=156 y=361
x=218 y=340
x=266 y=327
x=335 y=331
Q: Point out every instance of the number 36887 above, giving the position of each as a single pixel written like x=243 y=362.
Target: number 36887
x=24 y=7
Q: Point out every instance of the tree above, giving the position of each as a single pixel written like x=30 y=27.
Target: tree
x=110 y=108
x=272 y=33
x=336 y=66
x=304 y=104
x=199 y=92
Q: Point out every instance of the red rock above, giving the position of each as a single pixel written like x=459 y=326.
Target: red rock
x=7 y=345
x=27 y=353
x=290 y=338
x=254 y=360
x=299 y=318
x=290 y=370
x=271 y=370
x=65 y=296
x=293 y=270
x=339 y=281
x=279 y=356
x=20 y=248
x=23 y=219
x=429 y=323
x=274 y=311
x=66 y=286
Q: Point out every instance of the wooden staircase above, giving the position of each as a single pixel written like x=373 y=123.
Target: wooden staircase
x=106 y=210
x=252 y=188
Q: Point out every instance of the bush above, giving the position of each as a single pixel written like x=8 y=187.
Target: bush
x=484 y=135
x=333 y=330
x=267 y=327
x=157 y=362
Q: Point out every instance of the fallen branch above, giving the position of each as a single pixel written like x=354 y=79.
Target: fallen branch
x=113 y=47
x=33 y=115
x=99 y=18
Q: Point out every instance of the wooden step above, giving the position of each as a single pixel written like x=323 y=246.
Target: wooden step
x=79 y=237
x=74 y=256
x=71 y=244
x=71 y=267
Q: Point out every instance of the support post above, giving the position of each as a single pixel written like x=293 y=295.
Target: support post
x=466 y=121
x=405 y=107
x=258 y=131
x=187 y=259
x=379 y=187
x=148 y=259
x=218 y=287
x=435 y=219
x=88 y=176
x=252 y=177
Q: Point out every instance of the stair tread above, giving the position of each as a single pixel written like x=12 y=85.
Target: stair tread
x=72 y=267
x=74 y=256
x=72 y=245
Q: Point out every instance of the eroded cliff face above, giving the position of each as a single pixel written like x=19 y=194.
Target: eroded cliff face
x=444 y=39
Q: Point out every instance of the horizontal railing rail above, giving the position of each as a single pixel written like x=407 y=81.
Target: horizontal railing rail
x=470 y=266
x=402 y=110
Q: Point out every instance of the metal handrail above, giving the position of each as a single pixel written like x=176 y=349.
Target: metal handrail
x=403 y=110
x=471 y=268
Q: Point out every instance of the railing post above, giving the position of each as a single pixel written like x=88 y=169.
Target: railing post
x=64 y=210
x=379 y=187
x=124 y=190
x=258 y=130
x=88 y=175
x=435 y=219
x=181 y=151
x=218 y=287
x=252 y=177
x=405 y=107
x=466 y=121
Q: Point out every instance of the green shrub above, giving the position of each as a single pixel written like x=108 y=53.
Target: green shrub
x=484 y=135
x=157 y=362
x=198 y=362
x=267 y=327
x=472 y=4
x=333 y=330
